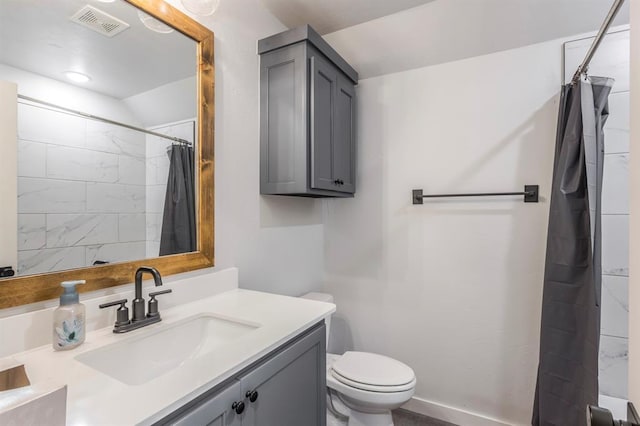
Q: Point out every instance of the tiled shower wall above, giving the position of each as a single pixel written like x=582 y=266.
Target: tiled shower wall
x=615 y=251
x=81 y=191
x=157 y=172
x=612 y=60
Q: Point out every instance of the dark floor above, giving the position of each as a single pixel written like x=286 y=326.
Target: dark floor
x=407 y=418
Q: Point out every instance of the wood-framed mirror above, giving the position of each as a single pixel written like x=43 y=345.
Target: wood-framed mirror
x=72 y=226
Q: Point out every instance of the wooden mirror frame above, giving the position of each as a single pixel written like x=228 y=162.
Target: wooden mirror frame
x=39 y=287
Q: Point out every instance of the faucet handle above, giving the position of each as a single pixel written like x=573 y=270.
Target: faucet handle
x=158 y=293
x=122 y=313
x=153 y=303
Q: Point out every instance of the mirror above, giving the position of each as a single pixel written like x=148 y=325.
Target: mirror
x=111 y=150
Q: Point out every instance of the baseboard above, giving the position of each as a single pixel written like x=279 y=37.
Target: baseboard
x=450 y=414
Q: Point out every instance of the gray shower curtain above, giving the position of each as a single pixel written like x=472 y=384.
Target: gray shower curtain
x=179 y=218
x=570 y=330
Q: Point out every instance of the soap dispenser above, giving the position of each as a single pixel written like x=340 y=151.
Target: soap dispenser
x=68 y=318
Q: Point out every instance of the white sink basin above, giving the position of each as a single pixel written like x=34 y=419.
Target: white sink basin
x=145 y=356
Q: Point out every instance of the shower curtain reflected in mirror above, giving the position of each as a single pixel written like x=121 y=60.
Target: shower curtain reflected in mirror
x=570 y=330
x=179 y=218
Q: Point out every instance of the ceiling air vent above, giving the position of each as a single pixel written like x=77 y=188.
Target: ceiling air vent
x=99 y=21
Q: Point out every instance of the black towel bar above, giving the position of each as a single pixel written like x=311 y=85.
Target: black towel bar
x=530 y=194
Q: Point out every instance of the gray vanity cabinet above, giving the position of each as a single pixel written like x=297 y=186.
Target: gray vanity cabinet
x=290 y=388
x=285 y=388
x=307 y=117
x=213 y=411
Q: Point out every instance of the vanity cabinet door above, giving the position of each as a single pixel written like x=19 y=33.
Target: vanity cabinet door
x=212 y=410
x=289 y=388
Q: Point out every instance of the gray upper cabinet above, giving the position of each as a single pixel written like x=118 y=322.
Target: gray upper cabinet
x=307 y=117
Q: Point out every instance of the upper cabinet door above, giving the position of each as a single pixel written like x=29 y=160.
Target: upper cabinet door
x=324 y=80
x=344 y=158
x=283 y=121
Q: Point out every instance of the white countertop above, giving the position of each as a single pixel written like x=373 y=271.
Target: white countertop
x=97 y=399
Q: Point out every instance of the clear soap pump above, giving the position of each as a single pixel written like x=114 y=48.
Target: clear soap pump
x=69 y=318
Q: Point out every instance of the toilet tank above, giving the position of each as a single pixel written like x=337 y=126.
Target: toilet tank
x=322 y=297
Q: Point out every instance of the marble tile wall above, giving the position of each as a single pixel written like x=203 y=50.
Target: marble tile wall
x=615 y=251
x=157 y=173
x=612 y=60
x=81 y=191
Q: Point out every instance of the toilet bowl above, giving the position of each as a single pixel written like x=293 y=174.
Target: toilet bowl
x=368 y=384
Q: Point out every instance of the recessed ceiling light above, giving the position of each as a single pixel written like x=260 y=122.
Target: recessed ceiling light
x=77 y=77
x=201 y=7
x=106 y=1
x=153 y=24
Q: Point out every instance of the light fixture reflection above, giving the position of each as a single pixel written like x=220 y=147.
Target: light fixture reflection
x=201 y=7
x=77 y=77
x=153 y=24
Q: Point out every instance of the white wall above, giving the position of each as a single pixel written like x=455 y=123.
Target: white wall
x=453 y=287
x=444 y=31
x=276 y=242
x=67 y=95
x=634 y=231
x=153 y=107
x=8 y=174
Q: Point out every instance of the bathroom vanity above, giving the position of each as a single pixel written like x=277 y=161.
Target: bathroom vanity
x=287 y=387
x=239 y=357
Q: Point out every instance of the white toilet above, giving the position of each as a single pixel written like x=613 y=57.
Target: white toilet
x=370 y=385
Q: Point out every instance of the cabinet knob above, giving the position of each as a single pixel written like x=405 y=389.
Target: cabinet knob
x=252 y=395
x=238 y=406
x=338 y=182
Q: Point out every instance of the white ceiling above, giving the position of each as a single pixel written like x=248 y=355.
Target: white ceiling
x=37 y=36
x=326 y=16
x=439 y=31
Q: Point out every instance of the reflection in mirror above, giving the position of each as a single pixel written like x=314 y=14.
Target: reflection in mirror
x=105 y=98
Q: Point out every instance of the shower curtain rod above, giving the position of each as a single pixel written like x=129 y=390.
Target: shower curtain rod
x=104 y=120
x=584 y=66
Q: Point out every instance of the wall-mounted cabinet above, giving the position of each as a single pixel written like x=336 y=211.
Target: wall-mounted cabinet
x=307 y=117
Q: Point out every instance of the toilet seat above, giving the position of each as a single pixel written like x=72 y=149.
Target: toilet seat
x=373 y=372
x=366 y=400
x=373 y=388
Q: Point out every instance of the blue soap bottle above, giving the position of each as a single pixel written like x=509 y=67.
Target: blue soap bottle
x=69 y=318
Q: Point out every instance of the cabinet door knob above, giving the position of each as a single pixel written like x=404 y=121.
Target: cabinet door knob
x=252 y=395
x=238 y=406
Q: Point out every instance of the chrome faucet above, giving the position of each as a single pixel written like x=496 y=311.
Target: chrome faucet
x=138 y=319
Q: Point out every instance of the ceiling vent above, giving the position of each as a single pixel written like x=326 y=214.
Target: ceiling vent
x=99 y=21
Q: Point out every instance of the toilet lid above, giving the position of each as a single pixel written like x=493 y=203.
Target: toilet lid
x=363 y=369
